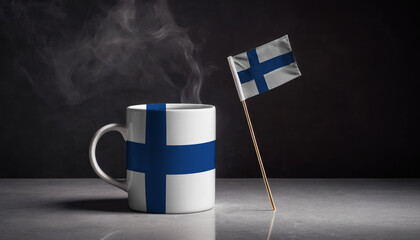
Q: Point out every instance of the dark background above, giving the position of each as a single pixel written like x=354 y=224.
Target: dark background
x=353 y=112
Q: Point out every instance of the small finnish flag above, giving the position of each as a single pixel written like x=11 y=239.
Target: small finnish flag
x=263 y=68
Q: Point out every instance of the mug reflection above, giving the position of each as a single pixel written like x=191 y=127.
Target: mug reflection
x=157 y=226
x=203 y=225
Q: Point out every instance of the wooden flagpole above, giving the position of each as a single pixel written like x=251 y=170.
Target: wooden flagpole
x=251 y=130
x=254 y=140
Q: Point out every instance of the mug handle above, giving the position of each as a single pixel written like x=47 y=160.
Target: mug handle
x=122 y=184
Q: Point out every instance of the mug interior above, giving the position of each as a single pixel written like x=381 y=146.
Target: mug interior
x=175 y=106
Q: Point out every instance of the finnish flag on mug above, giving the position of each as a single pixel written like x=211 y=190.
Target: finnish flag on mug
x=263 y=68
x=170 y=158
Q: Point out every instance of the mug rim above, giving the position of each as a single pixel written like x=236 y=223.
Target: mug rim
x=175 y=106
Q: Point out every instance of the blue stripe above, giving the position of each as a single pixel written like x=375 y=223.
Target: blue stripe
x=156 y=160
x=155 y=139
x=183 y=159
x=257 y=70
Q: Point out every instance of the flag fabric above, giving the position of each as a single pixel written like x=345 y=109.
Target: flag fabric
x=169 y=166
x=263 y=68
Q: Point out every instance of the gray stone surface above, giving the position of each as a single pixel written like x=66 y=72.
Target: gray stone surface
x=306 y=209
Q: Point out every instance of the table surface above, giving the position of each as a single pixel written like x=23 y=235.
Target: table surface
x=306 y=209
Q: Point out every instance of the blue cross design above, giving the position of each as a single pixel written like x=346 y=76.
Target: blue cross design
x=257 y=70
x=156 y=159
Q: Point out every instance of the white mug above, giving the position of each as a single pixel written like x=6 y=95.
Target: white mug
x=170 y=157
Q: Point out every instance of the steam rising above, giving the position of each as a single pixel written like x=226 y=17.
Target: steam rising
x=123 y=45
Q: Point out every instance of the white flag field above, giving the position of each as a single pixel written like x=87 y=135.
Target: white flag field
x=263 y=68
